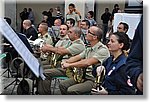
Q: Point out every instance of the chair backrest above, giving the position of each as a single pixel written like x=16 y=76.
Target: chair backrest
x=15 y=64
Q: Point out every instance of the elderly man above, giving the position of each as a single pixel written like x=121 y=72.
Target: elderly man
x=85 y=62
x=76 y=47
x=29 y=31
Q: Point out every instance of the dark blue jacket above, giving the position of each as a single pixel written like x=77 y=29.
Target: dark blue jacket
x=25 y=41
x=135 y=59
x=31 y=32
x=115 y=81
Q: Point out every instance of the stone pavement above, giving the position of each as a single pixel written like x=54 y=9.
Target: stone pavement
x=8 y=91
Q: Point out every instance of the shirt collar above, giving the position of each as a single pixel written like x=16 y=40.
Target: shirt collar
x=77 y=40
x=65 y=37
x=96 y=46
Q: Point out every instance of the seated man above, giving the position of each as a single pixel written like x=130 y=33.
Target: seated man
x=76 y=47
x=92 y=56
x=54 y=31
x=43 y=34
x=70 y=22
x=63 y=42
x=85 y=24
x=29 y=31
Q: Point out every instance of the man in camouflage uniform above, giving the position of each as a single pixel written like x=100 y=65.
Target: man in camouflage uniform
x=63 y=42
x=92 y=56
x=76 y=47
x=43 y=34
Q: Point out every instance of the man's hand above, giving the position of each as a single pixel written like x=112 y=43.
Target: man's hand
x=101 y=92
x=140 y=82
x=45 y=48
x=65 y=65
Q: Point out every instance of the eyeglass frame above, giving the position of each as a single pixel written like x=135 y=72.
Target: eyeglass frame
x=91 y=33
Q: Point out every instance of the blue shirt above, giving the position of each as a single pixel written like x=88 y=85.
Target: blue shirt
x=116 y=81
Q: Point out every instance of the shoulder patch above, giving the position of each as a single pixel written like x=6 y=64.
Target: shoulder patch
x=99 y=46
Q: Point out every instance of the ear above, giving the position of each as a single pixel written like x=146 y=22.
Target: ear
x=121 y=45
x=94 y=37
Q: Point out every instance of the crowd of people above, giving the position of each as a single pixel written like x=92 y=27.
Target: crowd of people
x=77 y=49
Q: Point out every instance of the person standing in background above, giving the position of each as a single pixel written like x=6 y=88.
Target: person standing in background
x=90 y=18
x=105 y=18
x=31 y=15
x=23 y=15
x=73 y=14
x=115 y=10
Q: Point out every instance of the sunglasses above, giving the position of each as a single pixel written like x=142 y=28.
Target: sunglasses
x=91 y=33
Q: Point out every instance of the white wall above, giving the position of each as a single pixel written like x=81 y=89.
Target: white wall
x=1 y=8
x=10 y=11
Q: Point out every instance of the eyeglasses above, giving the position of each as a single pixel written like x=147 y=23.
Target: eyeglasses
x=91 y=33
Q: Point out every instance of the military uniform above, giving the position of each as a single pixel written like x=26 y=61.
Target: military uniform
x=44 y=86
x=47 y=38
x=70 y=86
x=63 y=42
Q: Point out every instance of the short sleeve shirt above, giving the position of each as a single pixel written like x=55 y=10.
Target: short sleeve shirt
x=76 y=47
x=64 y=42
x=99 y=51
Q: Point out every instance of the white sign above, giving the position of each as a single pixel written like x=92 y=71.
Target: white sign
x=131 y=19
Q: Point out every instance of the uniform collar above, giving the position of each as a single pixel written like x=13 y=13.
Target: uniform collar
x=77 y=40
x=44 y=36
x=64 y=38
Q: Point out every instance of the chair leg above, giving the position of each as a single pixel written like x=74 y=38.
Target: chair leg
x=9 y=72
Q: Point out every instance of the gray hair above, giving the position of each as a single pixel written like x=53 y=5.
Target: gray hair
x=98 y=32
x=77 y=31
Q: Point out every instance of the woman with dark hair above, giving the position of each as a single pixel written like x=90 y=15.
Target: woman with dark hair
x=116 y=80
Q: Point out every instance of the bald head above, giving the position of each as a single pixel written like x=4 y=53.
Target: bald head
x=26 y=24
x=43 y=28
x=57 y=22
x=97 y=31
